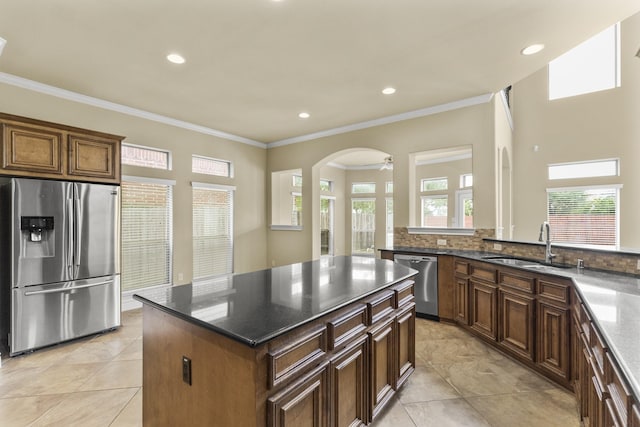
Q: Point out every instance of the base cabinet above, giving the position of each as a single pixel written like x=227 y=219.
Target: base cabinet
x=484 y=314
x=517 y=323
x=348 y=386
x=302 y=404
x=382 y=366
x=462 y=301
x=553 y=340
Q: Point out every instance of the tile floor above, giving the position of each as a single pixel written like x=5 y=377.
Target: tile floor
x=459 y=381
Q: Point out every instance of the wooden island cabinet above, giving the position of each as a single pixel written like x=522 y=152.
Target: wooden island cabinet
x=219 y=355
x=34 y=148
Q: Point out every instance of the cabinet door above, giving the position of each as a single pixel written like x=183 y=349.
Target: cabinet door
x=405 y=344
x=635 y=416
x=553 y=340
x=462 y=301
x=302 y=404
x=32 y=149
x=484 y=316
x=382 y=367
x=348 y=398
x=95 y=157
x=517 y=323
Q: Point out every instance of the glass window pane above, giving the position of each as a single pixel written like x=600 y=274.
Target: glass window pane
x=146 y=234
x=388 y=187
x=389 y=223
x=212 y=232
x=589 y=67
x=363 y=226
x=584 y=169
x=584 y=216
x=209 y=166
x=135 y=155
x=363 y=187
x=326 y=185
x=297 y=181
x=434 y=211
x=296 y=209
x=434 y=184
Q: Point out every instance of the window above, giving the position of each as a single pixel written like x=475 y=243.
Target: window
x=326 y=185
x=389 y=223
x=595 y=168
x=363 y=187
x=466 y=180
x=137 y=155
x=209 y=166
x=434 y=211
x=212 y=230
x=297 y=180
x=296 y=209
x=146 y=232
x=464 y=209
x=591 y=66
x=434 y=184
x=327 y=211
x=363 y=226
x=584 y=215
x=388 y=187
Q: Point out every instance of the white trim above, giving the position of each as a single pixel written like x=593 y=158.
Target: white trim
x=3 y=43
x=440 y=230
x=585 y=187
x=507 y=110
x=444 y=159
x=208 y=186
x=467 y=102
x=286 y=227
x=323 y=196
x=145 y=180
x=119 y=108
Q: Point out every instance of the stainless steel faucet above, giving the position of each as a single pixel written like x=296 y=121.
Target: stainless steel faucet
x=548 y=255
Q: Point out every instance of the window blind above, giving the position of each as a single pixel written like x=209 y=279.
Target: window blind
x=146 y=234
x=212 y=231
x=584 y=215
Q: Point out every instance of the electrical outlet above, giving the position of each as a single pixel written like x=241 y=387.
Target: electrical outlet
x=497 y=247
x=186 y=370
x=441 y=242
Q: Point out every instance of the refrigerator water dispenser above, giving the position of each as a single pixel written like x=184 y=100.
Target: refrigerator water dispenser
x=37 y=235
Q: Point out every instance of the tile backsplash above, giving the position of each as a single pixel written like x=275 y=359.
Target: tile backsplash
x=596 y=259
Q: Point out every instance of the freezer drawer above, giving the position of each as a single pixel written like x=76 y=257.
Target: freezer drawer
x=49 y=314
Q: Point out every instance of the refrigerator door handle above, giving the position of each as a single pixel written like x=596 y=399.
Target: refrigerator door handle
x=70 y=230
x=77 y=232
x=53 y=291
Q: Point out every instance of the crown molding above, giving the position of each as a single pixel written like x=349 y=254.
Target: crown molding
x=467 y=102
x=119 y=108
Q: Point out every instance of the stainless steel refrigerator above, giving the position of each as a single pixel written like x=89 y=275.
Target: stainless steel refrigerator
x=60 y=256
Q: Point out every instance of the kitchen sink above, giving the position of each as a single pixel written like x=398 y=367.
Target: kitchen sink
x=522 y=262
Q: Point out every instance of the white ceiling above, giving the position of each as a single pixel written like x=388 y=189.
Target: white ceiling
x=253 y=65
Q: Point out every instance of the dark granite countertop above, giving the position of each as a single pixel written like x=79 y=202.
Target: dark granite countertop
x=256 y=307
x=612 y=299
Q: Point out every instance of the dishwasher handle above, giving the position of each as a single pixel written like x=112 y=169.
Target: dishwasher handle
x=415 y=258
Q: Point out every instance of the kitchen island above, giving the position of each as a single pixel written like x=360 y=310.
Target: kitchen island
x=310 y=344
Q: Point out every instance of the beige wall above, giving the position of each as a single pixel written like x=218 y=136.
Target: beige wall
x=249 y=164
x=600 y=125
x=466 y=126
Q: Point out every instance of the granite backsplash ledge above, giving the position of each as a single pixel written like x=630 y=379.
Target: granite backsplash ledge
x=484 y=240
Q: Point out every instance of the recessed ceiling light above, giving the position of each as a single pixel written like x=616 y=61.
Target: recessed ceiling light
x=304 y=115
x=533 y=49
x=389 y=90
x=2 y=43
x=175 y=58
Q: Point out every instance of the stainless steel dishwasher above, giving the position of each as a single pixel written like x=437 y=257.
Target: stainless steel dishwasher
x=426 y=286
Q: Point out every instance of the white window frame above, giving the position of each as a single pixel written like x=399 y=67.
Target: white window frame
x=436 y=179
x=434 y=196
x=461 y=196
x=363 y=199
x=227 y=162
x=591 y=172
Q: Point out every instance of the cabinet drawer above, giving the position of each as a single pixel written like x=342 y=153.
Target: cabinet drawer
x=403 y=293
x=462 y=268
x=347 y=326
x=585 y=322
x=380 y=306
x=554 y=291
x=483 y=272
x=523 y=283
x=610 y=415
x=294 y=357
x=598 y=349
x=617 y=387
